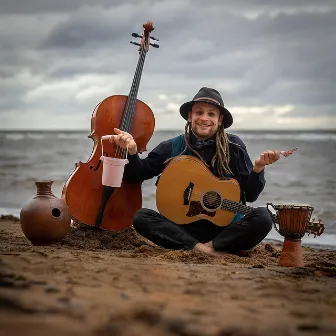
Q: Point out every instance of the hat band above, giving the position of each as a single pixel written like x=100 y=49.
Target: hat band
x=206 y=98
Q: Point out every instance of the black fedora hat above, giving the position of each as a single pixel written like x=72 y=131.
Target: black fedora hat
x=210 y=96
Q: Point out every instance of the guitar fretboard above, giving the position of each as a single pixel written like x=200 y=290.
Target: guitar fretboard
x=235 y=207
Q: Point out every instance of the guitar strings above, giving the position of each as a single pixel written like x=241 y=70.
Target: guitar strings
x=219 y=202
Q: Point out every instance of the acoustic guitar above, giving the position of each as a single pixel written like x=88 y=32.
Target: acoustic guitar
x=187 y=191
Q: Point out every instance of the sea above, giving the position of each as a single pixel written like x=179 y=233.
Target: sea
x=306 y=177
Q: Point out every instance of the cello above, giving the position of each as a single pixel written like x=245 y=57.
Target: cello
x=90 y=202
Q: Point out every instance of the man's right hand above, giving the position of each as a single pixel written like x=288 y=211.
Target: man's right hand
x=124 y=140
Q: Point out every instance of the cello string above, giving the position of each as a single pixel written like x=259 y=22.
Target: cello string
x=131 y=102
x=135 y=87
x=129 y=116
x=124 y=121
x=125 y=125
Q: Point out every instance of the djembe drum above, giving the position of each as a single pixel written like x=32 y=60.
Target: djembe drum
x=293 y=222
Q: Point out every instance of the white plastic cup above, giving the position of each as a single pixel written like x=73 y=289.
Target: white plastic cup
x=113 y=171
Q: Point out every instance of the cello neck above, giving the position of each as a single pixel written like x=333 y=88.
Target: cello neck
x=126 y=122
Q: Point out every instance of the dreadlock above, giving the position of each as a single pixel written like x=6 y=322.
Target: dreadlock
x=222 y=155
x=222 y=152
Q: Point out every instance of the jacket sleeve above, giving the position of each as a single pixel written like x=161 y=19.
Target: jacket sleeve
x=251 y=182
x=138 y=170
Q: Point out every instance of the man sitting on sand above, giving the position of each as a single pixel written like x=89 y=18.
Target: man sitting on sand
x=226 y=155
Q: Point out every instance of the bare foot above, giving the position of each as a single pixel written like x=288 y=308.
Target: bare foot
x=209 y=244
x=241 y=253
x=208 y=250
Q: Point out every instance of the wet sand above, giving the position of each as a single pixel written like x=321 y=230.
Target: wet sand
x=117 y=283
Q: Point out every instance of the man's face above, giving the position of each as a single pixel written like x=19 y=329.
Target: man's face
x=205 y=119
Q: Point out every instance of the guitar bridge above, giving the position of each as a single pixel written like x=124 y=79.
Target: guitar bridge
x=187 y=193
x=196 y=209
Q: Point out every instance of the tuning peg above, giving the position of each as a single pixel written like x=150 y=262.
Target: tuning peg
x=136 y=43
x=155 y=39
x=136 y=35
x=154 y=45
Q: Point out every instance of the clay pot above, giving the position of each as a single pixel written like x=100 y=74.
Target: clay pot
x=45 y=219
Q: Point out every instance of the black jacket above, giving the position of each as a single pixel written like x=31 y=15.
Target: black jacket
x=251 y=183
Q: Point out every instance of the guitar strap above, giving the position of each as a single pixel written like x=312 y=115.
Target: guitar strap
x=178 y=145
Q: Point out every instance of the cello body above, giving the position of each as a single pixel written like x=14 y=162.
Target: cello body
x=90 y=202
x=83 y=191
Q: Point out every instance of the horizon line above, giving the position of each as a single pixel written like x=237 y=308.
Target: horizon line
x=174 y=130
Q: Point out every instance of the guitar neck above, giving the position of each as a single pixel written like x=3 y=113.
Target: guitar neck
x=235 y=207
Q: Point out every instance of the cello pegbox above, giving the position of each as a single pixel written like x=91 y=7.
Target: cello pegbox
x=136 y=35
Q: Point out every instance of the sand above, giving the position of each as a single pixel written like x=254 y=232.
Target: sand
x=117 y=283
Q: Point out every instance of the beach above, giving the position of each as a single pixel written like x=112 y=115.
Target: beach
x=117 y=283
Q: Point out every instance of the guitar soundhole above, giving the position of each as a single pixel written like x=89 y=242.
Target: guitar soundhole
x=212 y=200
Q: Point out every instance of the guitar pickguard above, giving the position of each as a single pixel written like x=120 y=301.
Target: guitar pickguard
x=196 y=208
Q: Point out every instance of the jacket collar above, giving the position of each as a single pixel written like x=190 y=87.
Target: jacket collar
x=198 y=144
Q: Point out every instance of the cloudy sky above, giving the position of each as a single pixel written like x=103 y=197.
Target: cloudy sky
x=273 y=61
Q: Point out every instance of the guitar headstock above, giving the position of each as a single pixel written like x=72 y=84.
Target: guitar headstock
x=315 y=227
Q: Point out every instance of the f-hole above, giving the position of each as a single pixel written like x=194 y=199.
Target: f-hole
x=98 y=165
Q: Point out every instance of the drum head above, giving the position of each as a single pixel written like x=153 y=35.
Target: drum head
x=292 y=206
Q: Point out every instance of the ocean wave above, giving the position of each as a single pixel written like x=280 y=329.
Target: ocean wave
x=289 y=136
x=11 y=166
x=71 y=136
x=246 y=135
x=10 y=211
x=29 y=181
x=35 y=136
x=16 y=136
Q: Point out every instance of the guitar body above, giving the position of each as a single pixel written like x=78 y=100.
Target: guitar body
x=187 y=191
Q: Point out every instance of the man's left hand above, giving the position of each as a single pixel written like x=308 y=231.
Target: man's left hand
x=266 y=158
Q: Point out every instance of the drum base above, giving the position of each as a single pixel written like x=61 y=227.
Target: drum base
x=292 y=254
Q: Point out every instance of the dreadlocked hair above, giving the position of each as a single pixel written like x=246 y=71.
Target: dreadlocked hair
x=222 y=155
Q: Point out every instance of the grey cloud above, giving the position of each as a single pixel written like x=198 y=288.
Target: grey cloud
x=273 y=60
x=266 y=5
x=314 y=111
x=299 y=25
x=92 y=26
x=88 y=26
x=42 y=6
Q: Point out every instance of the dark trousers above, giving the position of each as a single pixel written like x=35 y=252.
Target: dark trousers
x=242 y=235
